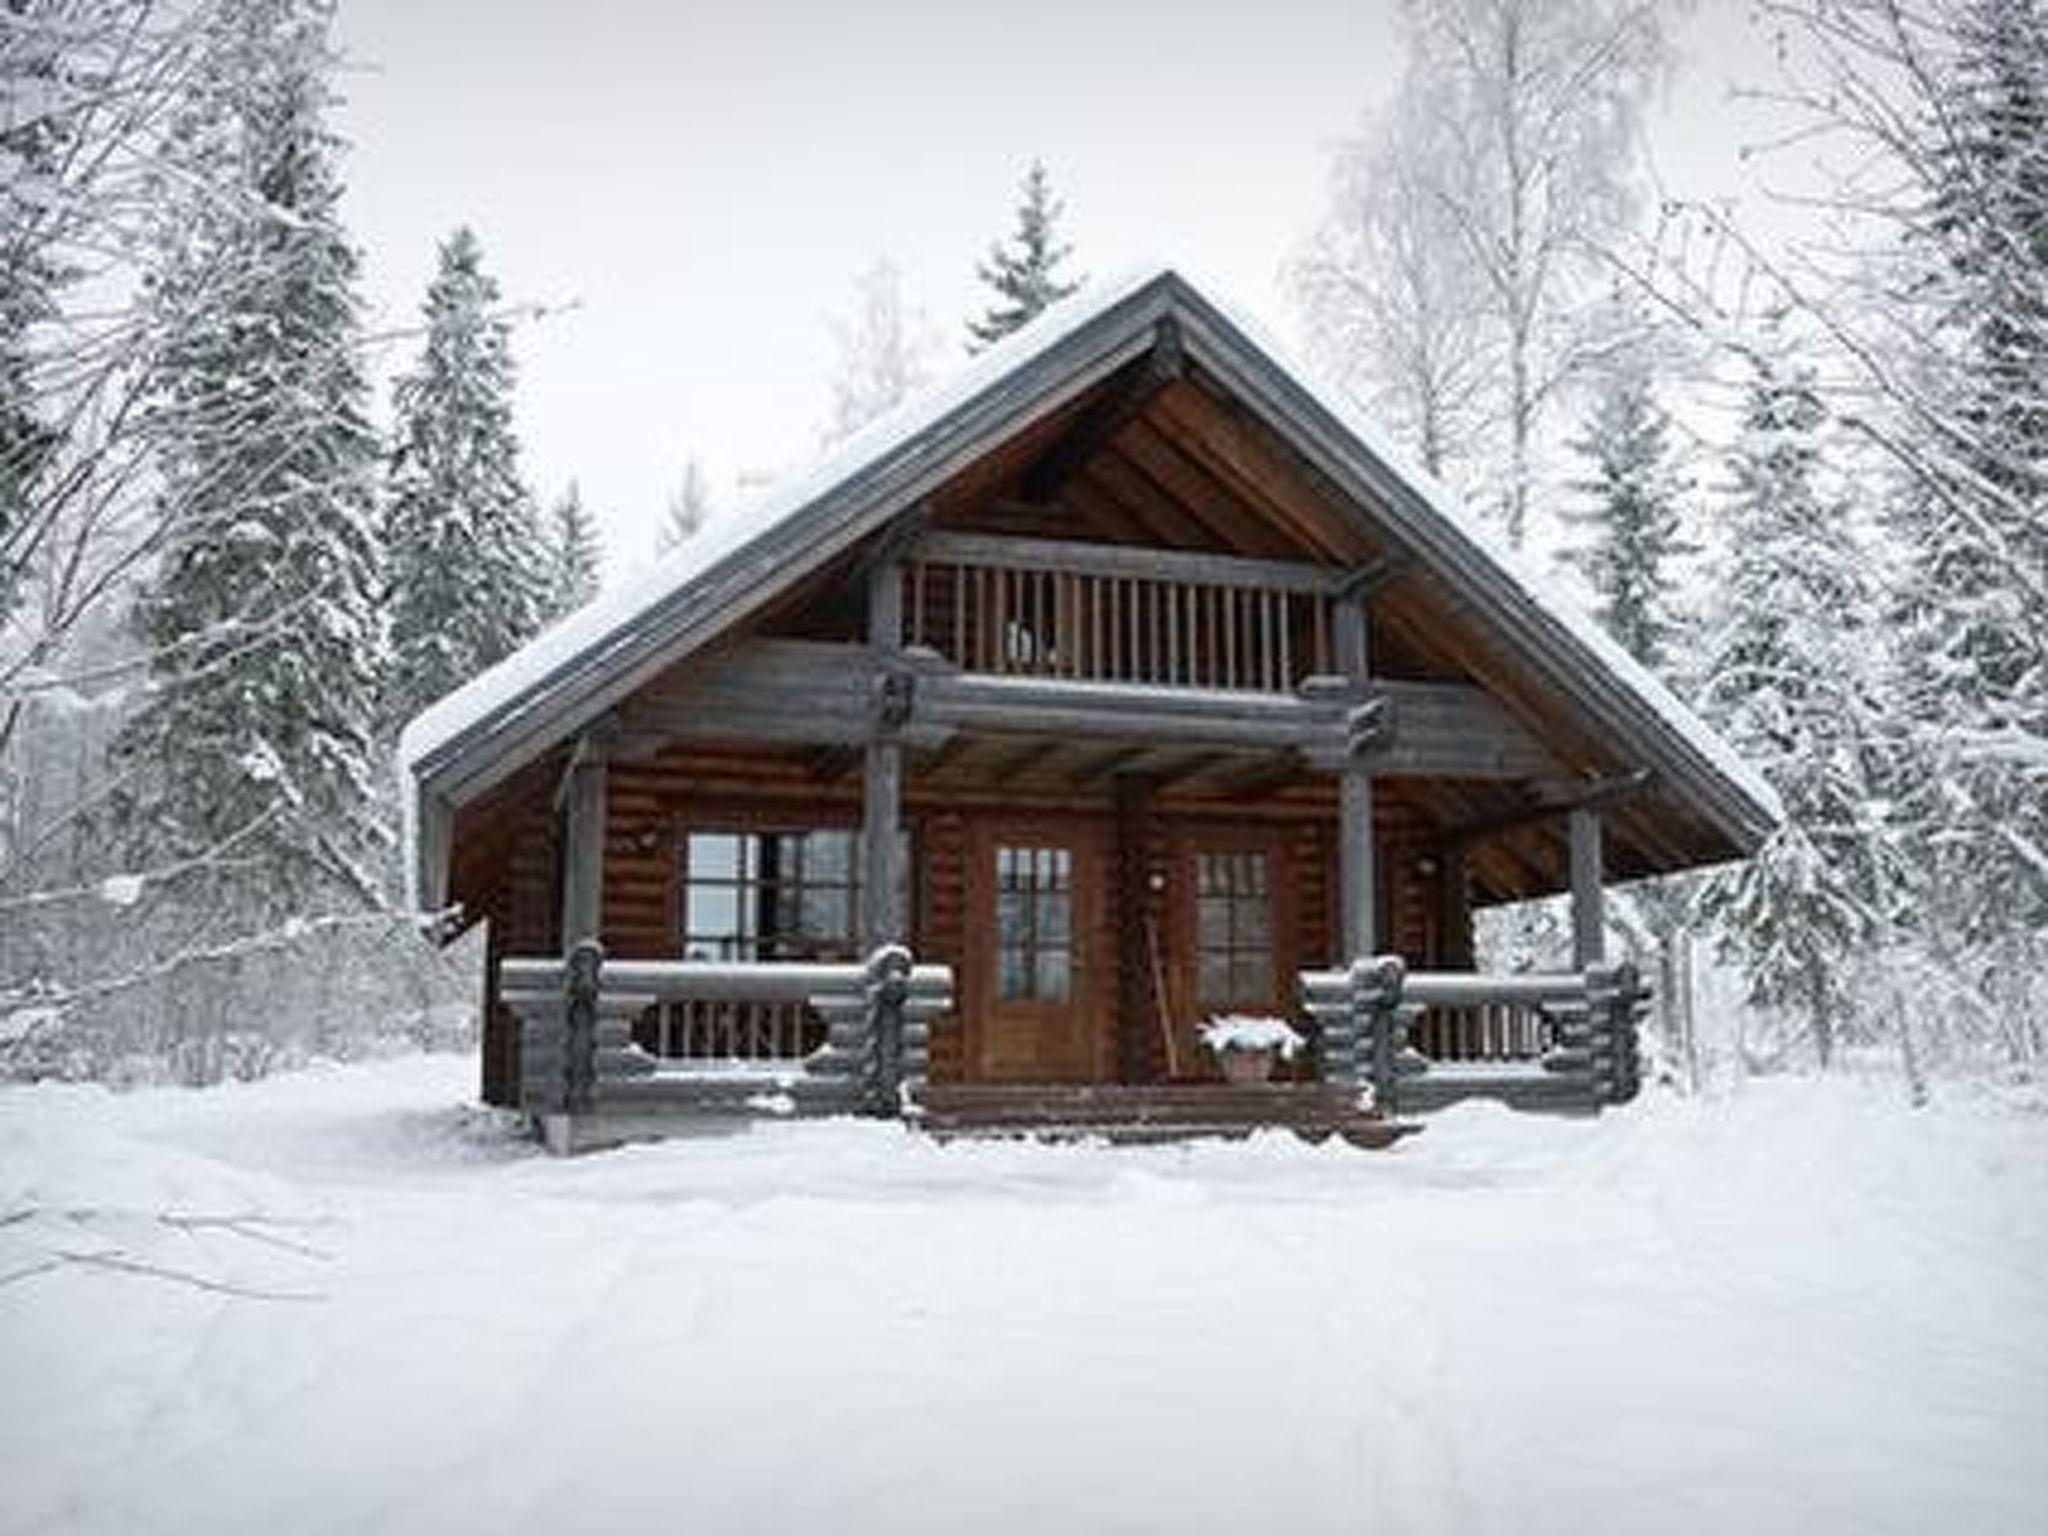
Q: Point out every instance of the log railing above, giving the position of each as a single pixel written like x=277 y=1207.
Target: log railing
x=1422 y=1039
x=1097 y=613
x=769 y=1037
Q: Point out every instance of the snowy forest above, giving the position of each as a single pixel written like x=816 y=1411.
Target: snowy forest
x=1804 y=480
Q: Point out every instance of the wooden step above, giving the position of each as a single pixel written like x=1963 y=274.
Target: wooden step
x=1153 y=1112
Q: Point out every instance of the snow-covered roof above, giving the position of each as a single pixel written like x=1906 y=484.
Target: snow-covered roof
x=569 y=675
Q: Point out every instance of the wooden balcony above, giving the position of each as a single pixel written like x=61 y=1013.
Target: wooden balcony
x=1100 y=613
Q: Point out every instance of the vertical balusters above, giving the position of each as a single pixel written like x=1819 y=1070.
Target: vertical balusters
x=1286 y=641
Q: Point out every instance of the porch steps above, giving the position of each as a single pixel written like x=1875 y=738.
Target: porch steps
x=1153 y=1112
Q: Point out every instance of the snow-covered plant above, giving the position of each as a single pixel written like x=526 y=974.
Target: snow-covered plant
x=1228 y=1032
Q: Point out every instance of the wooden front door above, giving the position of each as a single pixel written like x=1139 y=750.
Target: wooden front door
x=1040 y=978
x=1233 y=915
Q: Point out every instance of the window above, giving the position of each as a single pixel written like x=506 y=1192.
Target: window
x=1035 y=923
x=1233 y=931
x=771 y=895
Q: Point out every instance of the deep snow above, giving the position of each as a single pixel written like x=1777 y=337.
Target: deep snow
x=1802 y=1309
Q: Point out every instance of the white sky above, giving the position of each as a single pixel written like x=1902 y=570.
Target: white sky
x=702 y=182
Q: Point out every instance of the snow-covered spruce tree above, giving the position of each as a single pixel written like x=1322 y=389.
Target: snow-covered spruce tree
x=1630 y=516
x=1974 y=607
x=467 y=562
x=250 y=755
x=573 y=556
x=1024 y=274
x=688 y=509
x=37 y=127
x=1631 y=526
x=1788 y=674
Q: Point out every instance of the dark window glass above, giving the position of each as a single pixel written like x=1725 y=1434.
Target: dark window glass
x=791 y=895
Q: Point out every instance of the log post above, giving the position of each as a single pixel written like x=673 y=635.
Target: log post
x=1376 y=1000
x=581 y=983
x=884 y=916
x=888 y=986
x=1355 y=853
x=1589 y=916
x=583 y=797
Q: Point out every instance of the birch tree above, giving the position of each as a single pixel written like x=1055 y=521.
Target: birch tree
x=885 y=349
x=1512 y=142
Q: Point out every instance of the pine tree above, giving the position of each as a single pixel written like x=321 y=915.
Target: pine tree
x=573 y=557
x=1975 y=607
x=468 y=564
x=1788 y=677
x=252 y=749
x=689 y=508
x=1024 y=275
x=1631 y=513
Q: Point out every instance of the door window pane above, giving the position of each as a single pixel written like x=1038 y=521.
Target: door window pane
x=1233 y=930
x=1035 y=924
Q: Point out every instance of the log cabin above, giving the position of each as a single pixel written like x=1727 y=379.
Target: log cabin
x=1122 y=682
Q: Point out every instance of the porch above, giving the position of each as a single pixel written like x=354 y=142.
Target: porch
x=636 y=1049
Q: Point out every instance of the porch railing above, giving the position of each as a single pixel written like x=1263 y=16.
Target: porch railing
x=1422 y=1039
x=737 y=1039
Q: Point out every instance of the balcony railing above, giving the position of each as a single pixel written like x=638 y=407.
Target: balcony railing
x=1025 y=608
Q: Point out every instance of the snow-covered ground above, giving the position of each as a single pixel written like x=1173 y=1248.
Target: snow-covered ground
x=340 y=1301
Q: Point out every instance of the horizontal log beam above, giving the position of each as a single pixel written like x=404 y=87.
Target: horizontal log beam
x=817 y=693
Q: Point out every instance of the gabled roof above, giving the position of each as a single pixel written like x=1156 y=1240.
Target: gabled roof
x=575 y=672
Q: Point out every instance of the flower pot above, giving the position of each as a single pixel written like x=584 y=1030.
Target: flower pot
x=1242 y=1066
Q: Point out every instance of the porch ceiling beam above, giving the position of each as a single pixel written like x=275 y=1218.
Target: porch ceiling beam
x=1043 y=478
x=1101 y=766
x=1552 y=805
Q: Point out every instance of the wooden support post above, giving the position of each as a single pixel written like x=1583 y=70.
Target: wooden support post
x=1589 y=917
x=583 y=797
x=882 y=881
x=1454 y=911
x=1355 y=853
x=1355 y=860
x=884 y=915
x=1348 y=637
